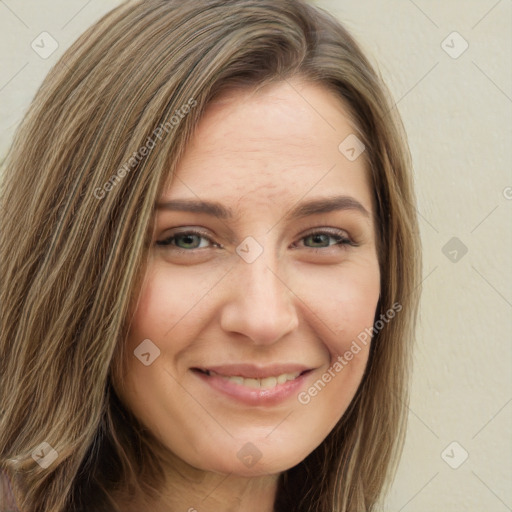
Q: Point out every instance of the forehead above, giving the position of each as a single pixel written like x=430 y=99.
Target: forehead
x=271 y=146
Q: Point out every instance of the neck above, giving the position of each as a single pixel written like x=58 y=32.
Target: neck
x=191 y=490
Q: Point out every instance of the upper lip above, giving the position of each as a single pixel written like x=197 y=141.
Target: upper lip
x=251 y=371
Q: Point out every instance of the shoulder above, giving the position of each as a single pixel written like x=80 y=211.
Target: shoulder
x=7 y=503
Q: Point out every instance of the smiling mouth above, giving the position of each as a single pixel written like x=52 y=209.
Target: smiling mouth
x=255 y=383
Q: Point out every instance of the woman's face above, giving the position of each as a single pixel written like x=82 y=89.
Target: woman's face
x=262 y=273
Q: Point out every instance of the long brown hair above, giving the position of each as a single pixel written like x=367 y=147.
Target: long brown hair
x=77 y=202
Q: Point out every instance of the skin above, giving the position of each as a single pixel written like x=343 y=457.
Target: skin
x=302 y=300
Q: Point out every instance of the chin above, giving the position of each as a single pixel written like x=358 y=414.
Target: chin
x=256 y=458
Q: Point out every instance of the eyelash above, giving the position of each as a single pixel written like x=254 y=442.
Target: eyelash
x=341 y=239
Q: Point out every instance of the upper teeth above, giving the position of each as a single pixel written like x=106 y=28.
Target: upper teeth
x=267 y=382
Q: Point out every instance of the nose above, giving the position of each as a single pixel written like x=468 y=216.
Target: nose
x=260 y=304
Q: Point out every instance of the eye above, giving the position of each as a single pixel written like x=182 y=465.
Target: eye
x=186 y=240
x=320 y=239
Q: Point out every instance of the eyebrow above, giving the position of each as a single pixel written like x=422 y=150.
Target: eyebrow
x=304 y=209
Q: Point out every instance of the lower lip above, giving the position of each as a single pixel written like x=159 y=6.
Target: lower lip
x=254 y=396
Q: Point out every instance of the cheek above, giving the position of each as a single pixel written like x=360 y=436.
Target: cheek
x=161 y=313
x=164 y=314
x=166 y=303
x=345 y=302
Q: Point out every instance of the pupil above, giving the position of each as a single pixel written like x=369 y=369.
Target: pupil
x=319 y=238
x=188 y=239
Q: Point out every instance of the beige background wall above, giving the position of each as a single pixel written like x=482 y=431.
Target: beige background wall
x=457 y=107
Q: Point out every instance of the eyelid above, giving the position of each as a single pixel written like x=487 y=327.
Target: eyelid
x=326 y=230
x=186 y=230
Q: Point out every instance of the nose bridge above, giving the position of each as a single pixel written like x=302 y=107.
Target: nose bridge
x=261 y=305
x=261 y=280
